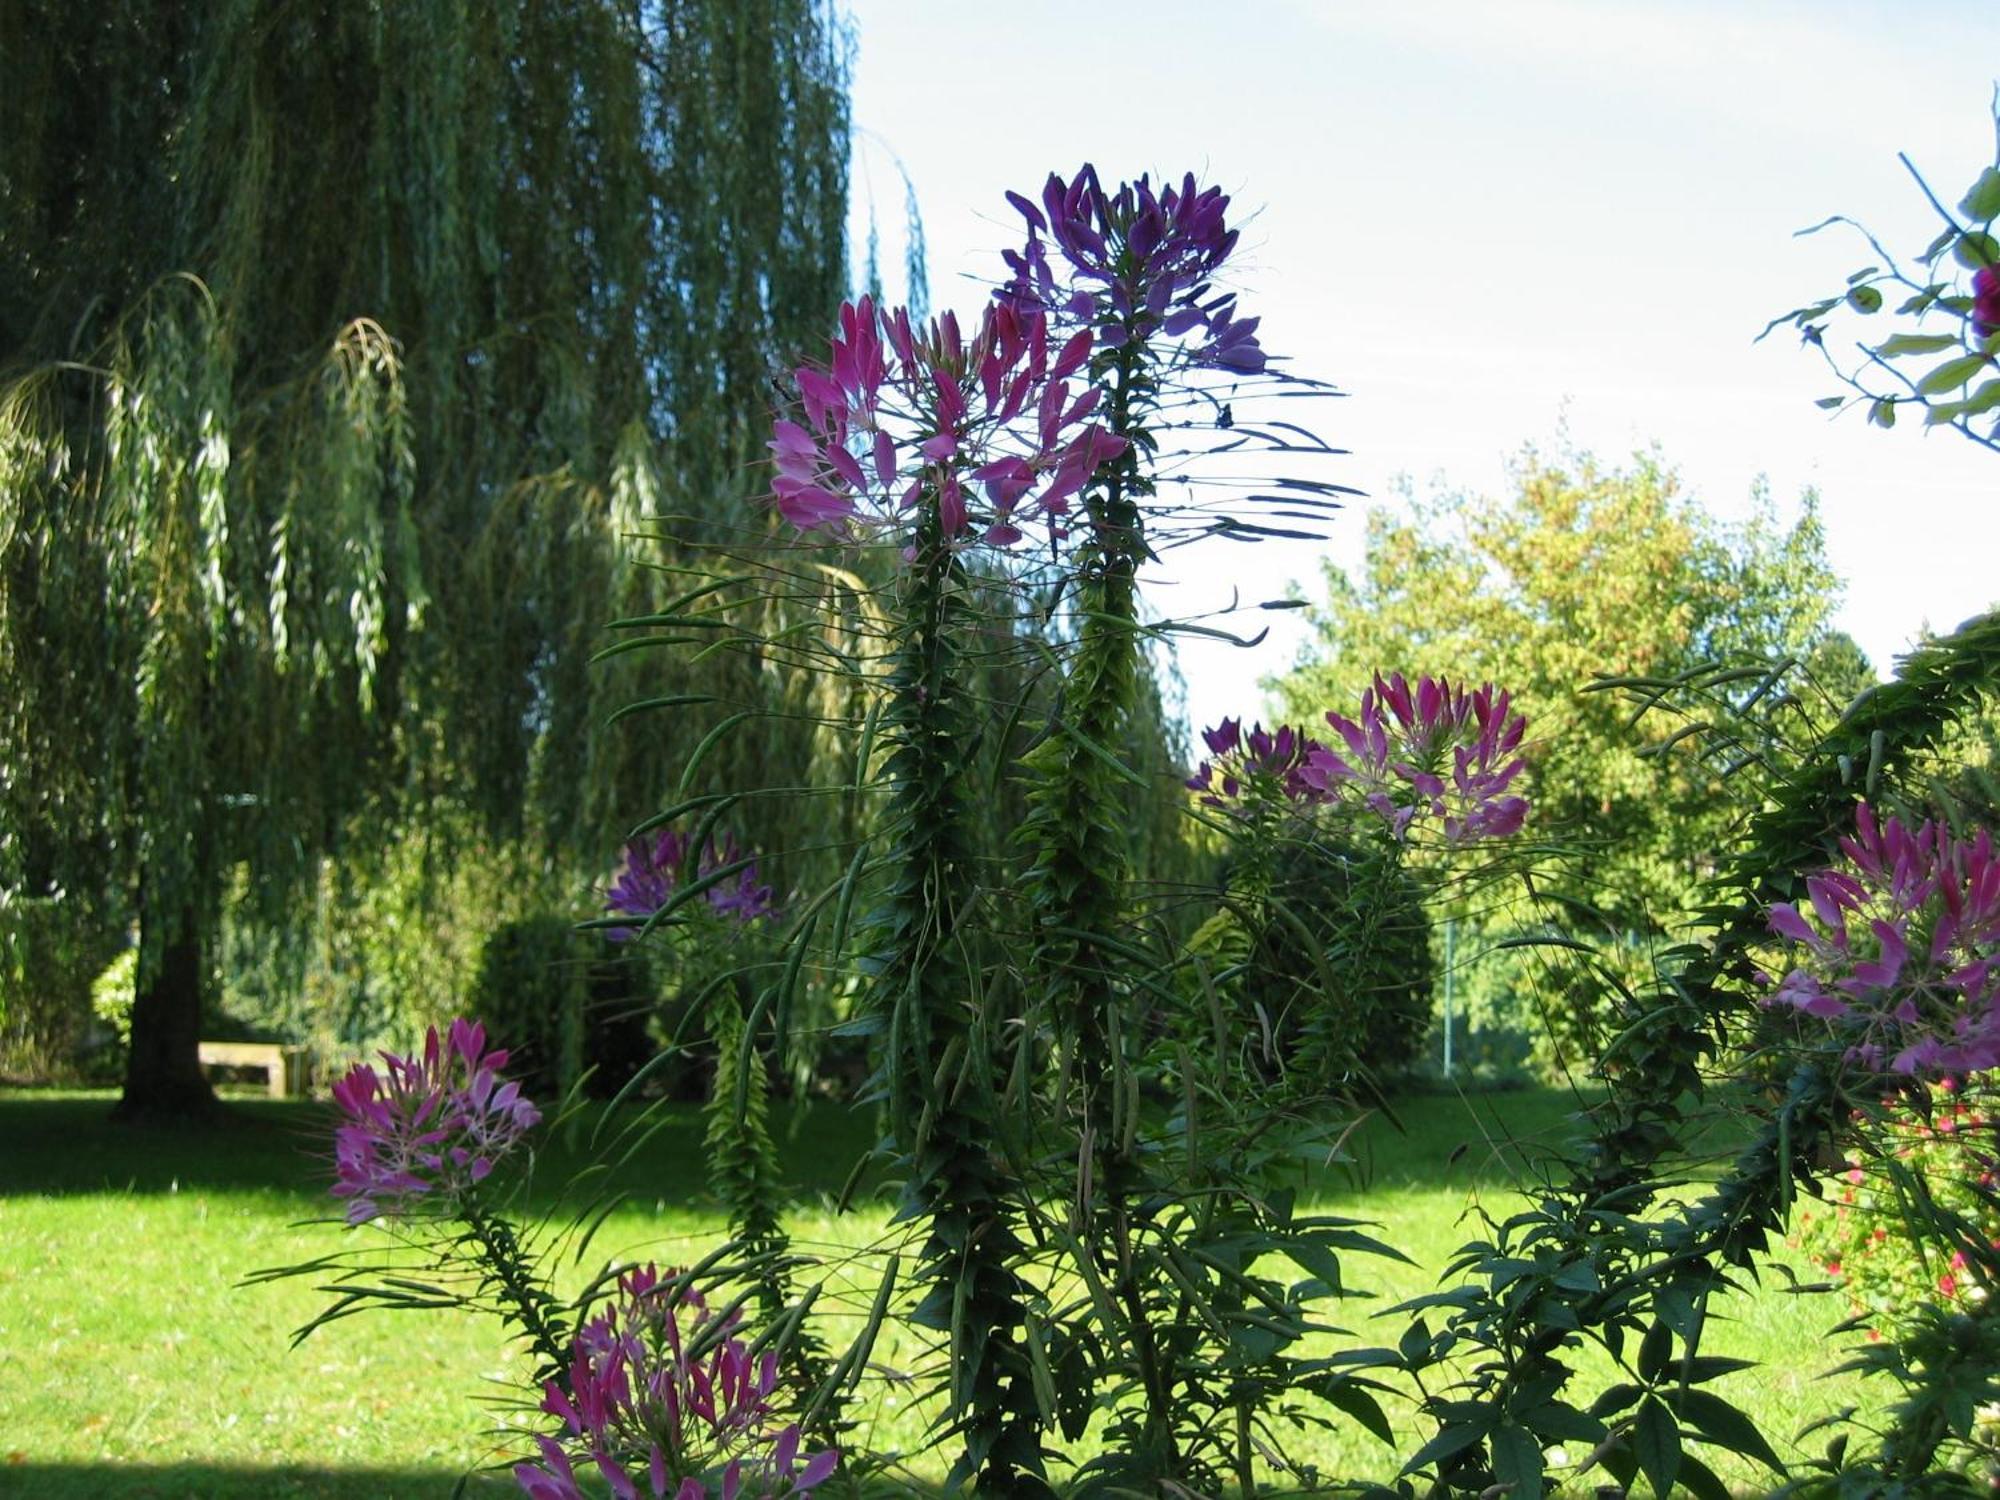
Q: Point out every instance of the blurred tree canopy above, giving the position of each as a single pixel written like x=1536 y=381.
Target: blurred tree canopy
x=1587 y=571
x=342 y=346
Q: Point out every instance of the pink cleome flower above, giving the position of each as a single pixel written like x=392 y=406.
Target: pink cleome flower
x=1986 y=301
x=1429 y=748
x=1263 y=764
x=639 y=1404
x=1139 y=262
x=986 y=429
x=651 y=871
x=427 y=1129
x=1901 y=947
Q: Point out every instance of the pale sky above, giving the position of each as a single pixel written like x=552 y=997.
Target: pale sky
x=1494 y=221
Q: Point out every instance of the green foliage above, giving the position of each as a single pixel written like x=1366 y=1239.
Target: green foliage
x=1918 y=1179
x=1940 y=360
x=339 y=364
x=743 y=1157
x=1354 y=915
x=936 y=1024
x=389 y=940
x=51 y=952
x=532 y=991
x=1101 y=1135
x=111 y=997
x=1584 y=573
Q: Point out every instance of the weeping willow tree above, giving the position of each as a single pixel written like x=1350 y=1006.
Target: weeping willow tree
x=341 y=346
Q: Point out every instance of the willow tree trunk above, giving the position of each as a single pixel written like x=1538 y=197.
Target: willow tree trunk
x=163 y=1077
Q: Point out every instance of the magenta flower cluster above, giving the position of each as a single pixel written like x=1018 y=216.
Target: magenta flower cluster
x=1139 y=263
x=651 y=872
x=1430 y=748
x=986 y=429
x=1902 y=947
x=426 y=1129
x=1986 y=301
x=1414 y=750
x=642 y=1408
x=1263 y=765
x=989 y=428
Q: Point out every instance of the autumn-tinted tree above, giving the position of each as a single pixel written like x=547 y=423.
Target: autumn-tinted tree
x=1585 y=571
x=343 y=344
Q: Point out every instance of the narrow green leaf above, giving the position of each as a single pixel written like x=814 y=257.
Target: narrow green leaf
x=647 y=705
x=1717 y=1421
x=1361 y=1405
x=1098 y=752
x=1916 y=343
x=709 y=741
x=1517 y=1463
x=1452 y=1440
x=1982 y=400
x=1952 y=374
x=1656 y=1440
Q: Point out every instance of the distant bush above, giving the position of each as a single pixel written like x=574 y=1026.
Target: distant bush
x=564 y=1004
x=111 y=996
x=532 y=989
x=51 y=948
x=1365 y=918
x=1877 y=1230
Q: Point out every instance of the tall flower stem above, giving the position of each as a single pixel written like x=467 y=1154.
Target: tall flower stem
x=525 y=1301
x=938 y=1069
x=1081 y=864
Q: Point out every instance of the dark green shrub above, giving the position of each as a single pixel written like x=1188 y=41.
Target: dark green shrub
x=532 y=991
x=51 y=949
x=1344 y=970
x=561 y=1001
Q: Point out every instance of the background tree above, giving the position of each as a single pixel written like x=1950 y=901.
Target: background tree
x=346 y=345
x=1587 y=571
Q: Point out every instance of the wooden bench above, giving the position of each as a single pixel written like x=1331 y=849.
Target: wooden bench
x=284 y=1067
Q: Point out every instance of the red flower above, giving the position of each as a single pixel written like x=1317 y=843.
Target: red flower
x=1986 y=300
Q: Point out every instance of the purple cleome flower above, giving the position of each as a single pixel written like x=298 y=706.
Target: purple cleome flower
x=1986 y=301
x=651 y=872
x=1429 y=748
x=987 y=429
x=427 y=1131
x=1263 y=765
x=639 y=1410
x=1902 y=948
x=1138 y=261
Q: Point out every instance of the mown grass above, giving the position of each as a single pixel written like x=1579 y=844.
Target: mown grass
x=132 y=1363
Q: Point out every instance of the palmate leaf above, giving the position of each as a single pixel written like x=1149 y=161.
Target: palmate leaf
x=1719 y=1422
x=1517 y=1462
x=1656 y=1443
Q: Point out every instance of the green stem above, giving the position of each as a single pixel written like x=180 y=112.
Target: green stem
x=526 y=1303
x=939 y=1070
x=1082 y=865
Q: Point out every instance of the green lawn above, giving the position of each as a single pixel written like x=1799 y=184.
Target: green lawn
x=132 y=1364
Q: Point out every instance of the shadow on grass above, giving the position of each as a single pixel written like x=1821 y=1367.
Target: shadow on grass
x=239 y=1482
x=193 y=1481
x=60 y=1144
